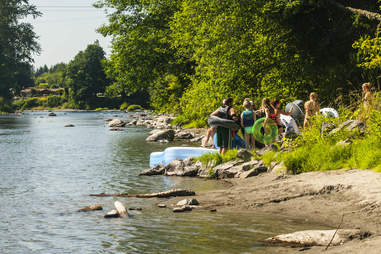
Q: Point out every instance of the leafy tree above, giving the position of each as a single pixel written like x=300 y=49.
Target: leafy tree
x=17 y=43
x=142 y=58
x=86 y=77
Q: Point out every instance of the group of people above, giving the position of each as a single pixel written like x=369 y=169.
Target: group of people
x=270 y=110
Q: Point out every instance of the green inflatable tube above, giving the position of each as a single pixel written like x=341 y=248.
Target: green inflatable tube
x=268 y=136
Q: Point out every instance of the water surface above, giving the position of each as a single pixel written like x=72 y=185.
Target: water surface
x=48 y=171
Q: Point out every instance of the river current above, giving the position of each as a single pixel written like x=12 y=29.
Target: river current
x=48 y=171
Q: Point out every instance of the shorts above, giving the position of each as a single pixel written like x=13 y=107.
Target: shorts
x=249 y=129
x=224 y=137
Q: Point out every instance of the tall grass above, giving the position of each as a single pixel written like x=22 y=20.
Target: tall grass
x=316 y=151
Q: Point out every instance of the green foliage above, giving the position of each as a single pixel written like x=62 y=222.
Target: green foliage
x=17 y=44
x=190 y=55
x=210 y=159
x=123 y=106
x=51 y=101
x=134 y=107
x=86 y=77
x=268 y=158
x=315 y=151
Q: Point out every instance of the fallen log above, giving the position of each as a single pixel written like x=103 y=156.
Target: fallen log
x=110 y=195
x=90 y=208
x=120 y=209
x=165 y=194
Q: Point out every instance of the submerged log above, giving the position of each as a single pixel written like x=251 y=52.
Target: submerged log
x=90 y=208
x=110 y=195
x=165 y=194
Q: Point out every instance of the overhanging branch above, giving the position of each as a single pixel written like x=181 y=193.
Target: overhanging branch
x=368 y=14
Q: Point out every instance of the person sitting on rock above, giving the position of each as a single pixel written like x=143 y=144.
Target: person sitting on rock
x=224 y=135
x=311 y=107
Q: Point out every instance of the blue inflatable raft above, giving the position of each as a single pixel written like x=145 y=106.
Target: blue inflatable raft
x=172 y=153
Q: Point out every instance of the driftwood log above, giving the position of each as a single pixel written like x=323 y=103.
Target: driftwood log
x=110 y=195
x=91 y=208
x=165 y=194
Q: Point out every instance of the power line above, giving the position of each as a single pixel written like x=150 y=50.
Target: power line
x=67 y=6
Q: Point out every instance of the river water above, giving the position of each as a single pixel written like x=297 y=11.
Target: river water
x=48 y=171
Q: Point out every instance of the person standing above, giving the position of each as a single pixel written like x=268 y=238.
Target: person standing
x=247 y=122
x=224 y=135
x=311 y=107
x=368 y=97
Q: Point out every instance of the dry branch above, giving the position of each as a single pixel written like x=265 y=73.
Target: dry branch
x=368 y=14
x=110 y=195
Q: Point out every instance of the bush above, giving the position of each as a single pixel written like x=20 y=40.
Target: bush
x=134 y=107
x=123 y=106
x=54 y=101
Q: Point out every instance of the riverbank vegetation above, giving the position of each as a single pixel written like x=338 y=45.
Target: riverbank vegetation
x=189 y=55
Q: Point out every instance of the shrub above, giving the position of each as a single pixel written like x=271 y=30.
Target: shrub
x=53 y=101
x=211 y=159
x=123 y=106
x=134 y=107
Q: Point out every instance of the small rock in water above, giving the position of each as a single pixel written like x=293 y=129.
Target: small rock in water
x=69 y=125
x=162 y=205
x=213 y=210
x=90 y=208
x=184 y=202
x=182 y=209
x=52 y=114
x=135 y=208
x=112 y=214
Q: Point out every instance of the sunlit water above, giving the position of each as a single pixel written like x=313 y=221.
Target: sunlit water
x=48 y=171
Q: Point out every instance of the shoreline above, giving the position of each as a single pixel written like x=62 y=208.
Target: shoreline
x=317 y=197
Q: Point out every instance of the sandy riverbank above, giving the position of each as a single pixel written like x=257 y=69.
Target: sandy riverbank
x=317 y=197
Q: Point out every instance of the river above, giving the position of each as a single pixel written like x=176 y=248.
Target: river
x=48 y=171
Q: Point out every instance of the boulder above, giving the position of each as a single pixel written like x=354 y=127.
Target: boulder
x=244 y=154
x=161 y=135
x=156 y=170
x=222 y=171
x=258 y=169
x=327 y=127
x=116 y=123
x=317 y=237
x=184 y=135
x=350 y=125
x=179 y=168
x=132 y=122
x=197 y=139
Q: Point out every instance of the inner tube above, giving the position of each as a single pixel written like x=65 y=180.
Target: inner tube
x=262 y=136
x=329 y=112
x=297 y=110
x=290 y=124
x=216 y=121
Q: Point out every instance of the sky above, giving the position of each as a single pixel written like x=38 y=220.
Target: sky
x=65 y=28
